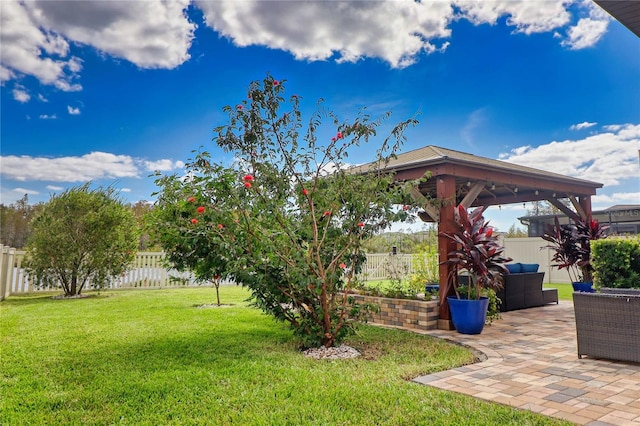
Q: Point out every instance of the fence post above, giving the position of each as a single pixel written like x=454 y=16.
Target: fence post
x=3 y=281
x=7 y=255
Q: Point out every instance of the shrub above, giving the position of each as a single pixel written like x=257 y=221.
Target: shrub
x=616 y=262
x=80 y=237
x=426 y=267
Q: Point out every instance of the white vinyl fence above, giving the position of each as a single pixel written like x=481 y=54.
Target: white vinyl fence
x=146 y=271
x=529 y=250
x=149 y=271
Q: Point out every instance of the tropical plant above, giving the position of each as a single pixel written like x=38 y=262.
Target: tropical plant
x=286 y=218
x=478 y=252
x=571 y=244
x=81 y=236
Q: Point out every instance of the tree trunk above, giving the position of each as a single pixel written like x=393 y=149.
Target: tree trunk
x=74 y=285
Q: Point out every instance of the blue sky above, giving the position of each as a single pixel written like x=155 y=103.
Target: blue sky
x=111 y=91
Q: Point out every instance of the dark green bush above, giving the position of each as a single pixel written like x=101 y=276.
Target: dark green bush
x=616 y=262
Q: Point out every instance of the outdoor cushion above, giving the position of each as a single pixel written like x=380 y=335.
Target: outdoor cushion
x=514 y=268
x=530 y=267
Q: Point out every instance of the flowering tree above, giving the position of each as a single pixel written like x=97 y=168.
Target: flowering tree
x=287 y=219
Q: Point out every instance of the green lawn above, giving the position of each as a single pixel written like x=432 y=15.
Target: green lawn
x=564 y=290
x=151 y=357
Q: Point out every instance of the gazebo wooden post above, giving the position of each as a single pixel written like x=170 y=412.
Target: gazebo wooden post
x=585 y=203
x=446 y=194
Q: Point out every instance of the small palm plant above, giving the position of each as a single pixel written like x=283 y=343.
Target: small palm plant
x=478 y=251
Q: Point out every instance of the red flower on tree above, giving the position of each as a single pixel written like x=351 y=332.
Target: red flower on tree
x=247 y=178
x=304 y=191
x=239 y=107
x=326 y=213
x=200 y=209
x=276 y=82
x=405 y=207
x=343 y=265
x=247 y=185
x=361 y=224
x=191 y=199
x=339 y=135
x=220 y=226
x=194 y=221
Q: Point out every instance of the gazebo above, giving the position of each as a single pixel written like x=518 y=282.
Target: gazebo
x=455 y=177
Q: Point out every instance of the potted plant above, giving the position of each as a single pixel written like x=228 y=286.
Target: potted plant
x=571 y=244
x=480 y=254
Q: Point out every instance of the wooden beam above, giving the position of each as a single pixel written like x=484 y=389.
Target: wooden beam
x=472 y=195
x=564 y=209
x=426 y=205
x=585 y=204
x=578 y=207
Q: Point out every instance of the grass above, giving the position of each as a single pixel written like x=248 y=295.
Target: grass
x=565 y=291
x=150 y=357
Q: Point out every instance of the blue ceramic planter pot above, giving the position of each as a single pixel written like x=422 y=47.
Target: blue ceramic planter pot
x=584 y=287
x=468 y=315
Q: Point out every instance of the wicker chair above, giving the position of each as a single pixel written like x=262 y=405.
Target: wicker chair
x=610 y=290
x=608 y=325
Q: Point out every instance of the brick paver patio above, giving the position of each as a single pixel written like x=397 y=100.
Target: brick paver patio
x=532 y=363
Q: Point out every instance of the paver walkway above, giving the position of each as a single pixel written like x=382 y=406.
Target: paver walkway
x=532 y=364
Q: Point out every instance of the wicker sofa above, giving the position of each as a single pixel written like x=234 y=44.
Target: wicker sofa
x=522 y=289
x=608 y=324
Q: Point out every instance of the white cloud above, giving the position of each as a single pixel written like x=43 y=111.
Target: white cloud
x=583 y=125
x=73 y=111
x=95 y=165
x=125 y=189
x=54 y=188
x=585 y=33
x=25 y=191
x=588 y=31
x=48 y=117
x=527 y=16
x=162 y=165
x=609 y=158
x=474 y=121
x=5 y=74
x=20 y=94
x=41 y=98
x=28 y=49
x=616 y=198
x=395 y=31
x=36 y=36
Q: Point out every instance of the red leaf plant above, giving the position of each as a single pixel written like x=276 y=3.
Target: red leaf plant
x=478 y=252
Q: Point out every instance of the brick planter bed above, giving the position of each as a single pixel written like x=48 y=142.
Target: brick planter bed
x=407 y=313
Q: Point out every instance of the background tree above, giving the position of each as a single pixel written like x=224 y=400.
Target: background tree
x=286 y=219
x=140 y=209
x=516 y=232
x=81 y=236
x=14 y=222
x=545 y=208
